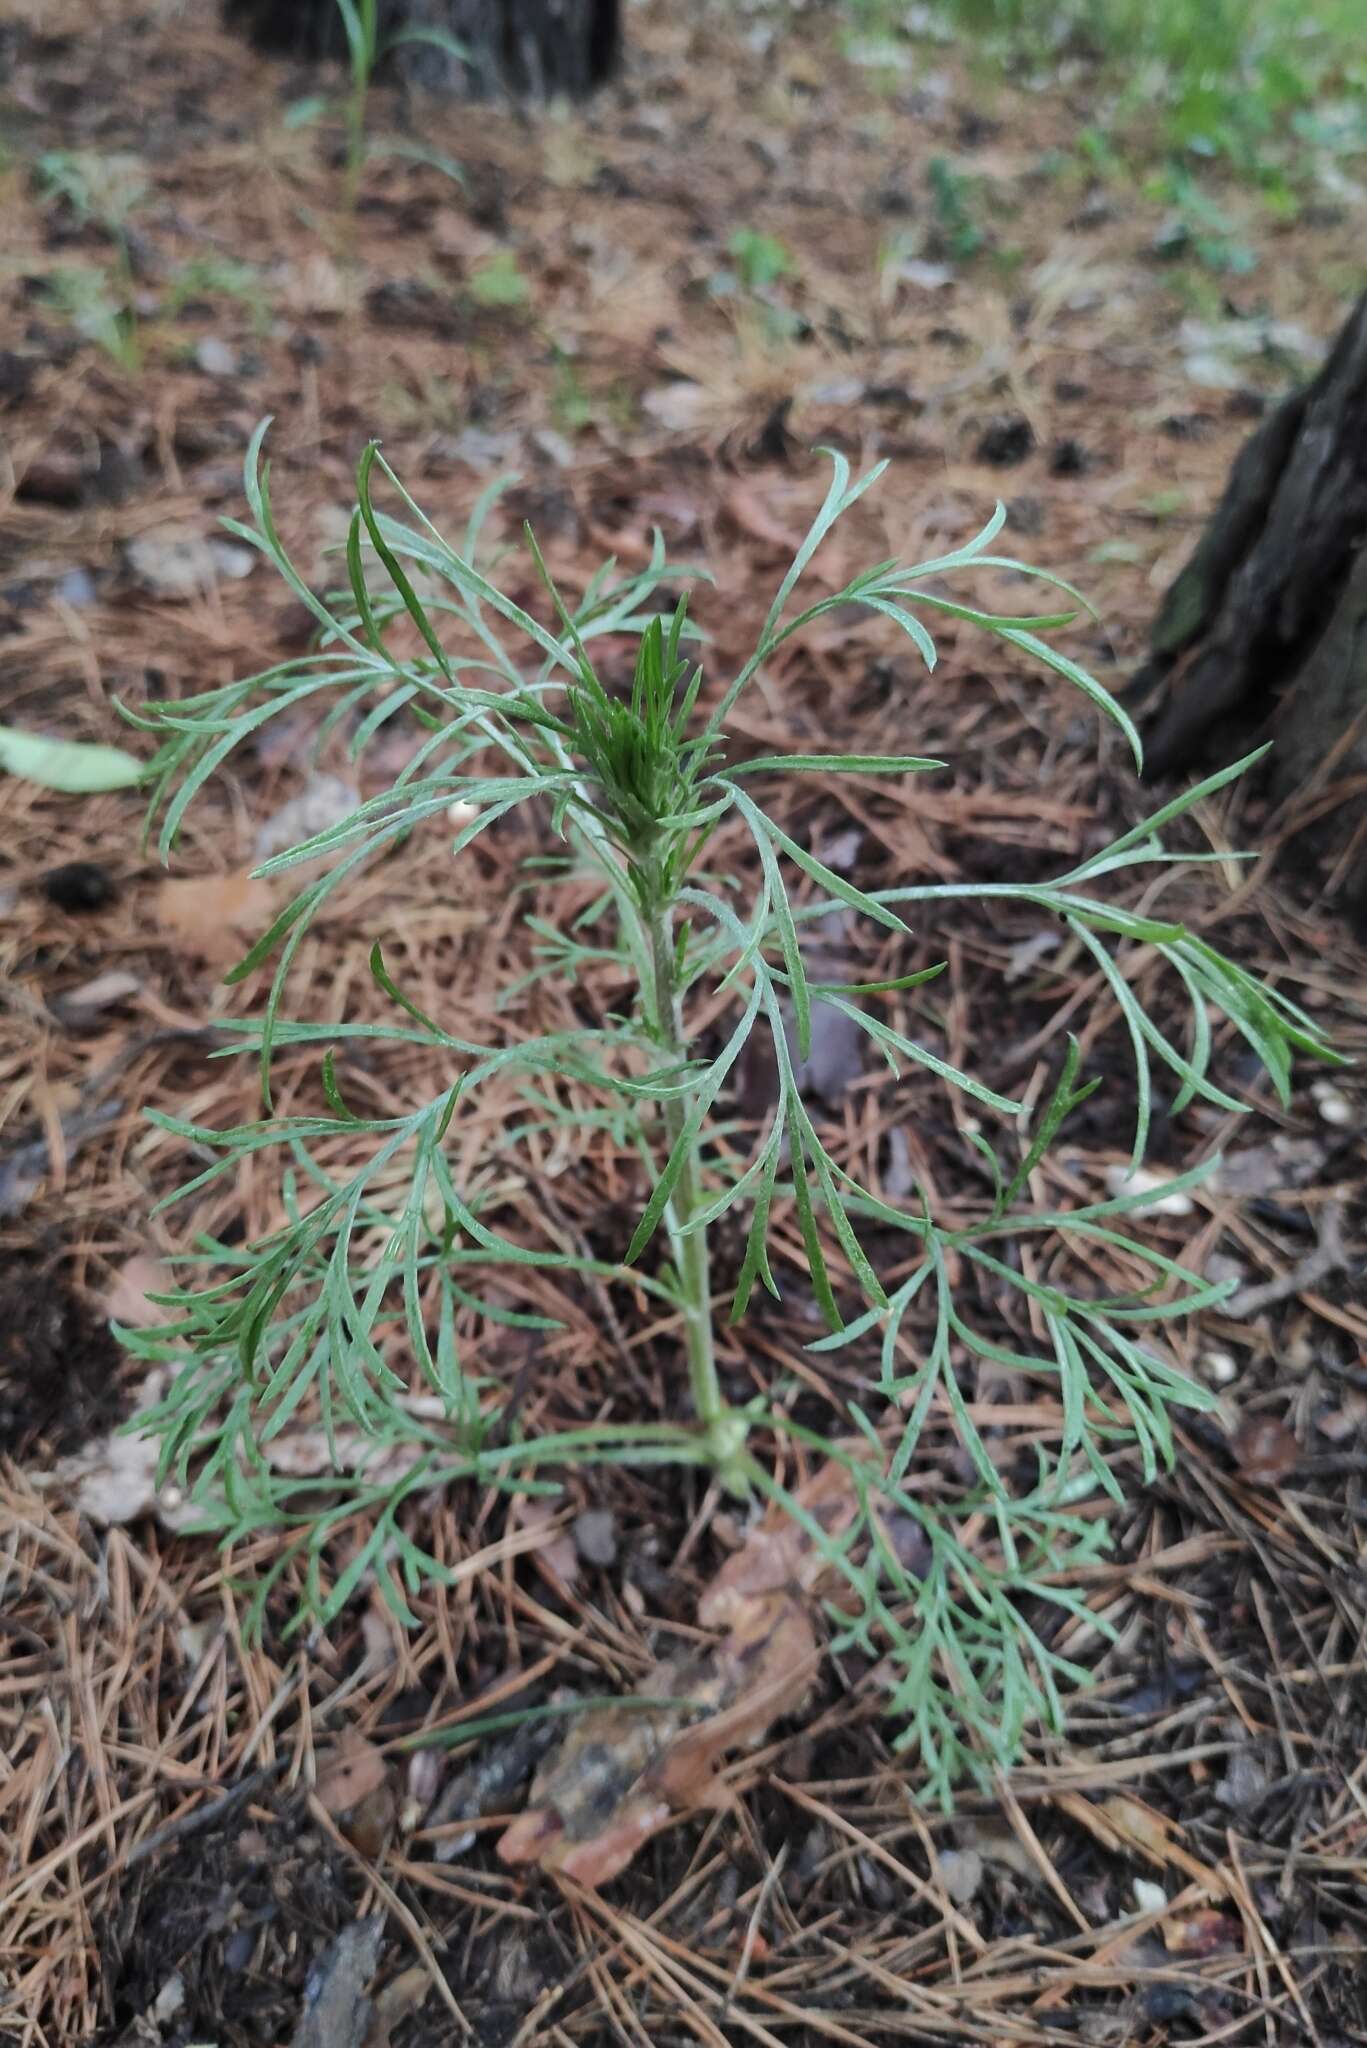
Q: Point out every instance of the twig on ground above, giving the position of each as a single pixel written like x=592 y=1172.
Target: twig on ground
x=1329 y=1256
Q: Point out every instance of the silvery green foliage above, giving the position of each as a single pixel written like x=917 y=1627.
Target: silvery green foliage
x=324 y=1315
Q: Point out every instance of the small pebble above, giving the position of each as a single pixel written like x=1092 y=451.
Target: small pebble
x=76 y=588
x=1332 y=1104
x=1148 y=1896
x=1218 y=1367
x=215 y=357
x=595 y=1537
x=237 y=1950
x=961 y=1872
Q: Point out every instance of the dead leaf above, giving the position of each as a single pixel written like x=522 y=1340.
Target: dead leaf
x=210 y=915
x=1138 y=1826
x=755 y=519
x=1203 y=1933
x=994 y=1842
x=348 y=1771
x=1341 y=1424
x=960 y=1872
x=370 y=1823
x=423 y=1783
x=556 y=1553
x=624 y=1772
x=402 y=1996
x=323 y=801
x=127 y=1301
x=1265 y=1450
x=114 y=1480
x=116 y=986
x=778 y=1554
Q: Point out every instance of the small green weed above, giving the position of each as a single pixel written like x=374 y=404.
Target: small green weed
x=1196 y=227
x=761 y=260
x=1231 y=77
x=500 y=282
x=104 y=192
x=98 y=308
x=958 y=235
x=360 y=23
x=219 y=277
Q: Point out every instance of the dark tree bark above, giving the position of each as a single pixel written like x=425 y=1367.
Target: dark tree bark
x=529 y=48
x=1264 y=633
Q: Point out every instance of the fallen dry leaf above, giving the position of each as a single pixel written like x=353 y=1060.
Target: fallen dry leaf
x=754 y=518
x=1138 y=1826
x=1205 y=1932
x=1343 y=1423
x=349 y=1770
x=555 y=1554
x=778 y=1552
x=624 y=1772
x=114 y=1480
x=960 y=1872
x=210 y=915
x=127 y=1301
x=994 y=1842
x=116 y=985
x=1265 y=1450
x=402 y=1996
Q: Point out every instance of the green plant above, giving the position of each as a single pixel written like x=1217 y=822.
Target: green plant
x=354 y=1298
x=760 y=264
x=77 y=767
x=1197 y=227
x=215 y=277
x=92 y=303
x=761 y=260
x=360 y=20
x=957 y=232
x=1231 y=77
x=500 y=282
x=103 y=191
x=360 y=23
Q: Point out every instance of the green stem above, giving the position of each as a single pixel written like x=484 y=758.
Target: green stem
x=690 y=1251
x=355 y=156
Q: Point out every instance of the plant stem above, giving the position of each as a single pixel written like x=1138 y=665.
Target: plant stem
x=355 y=156
x=690 y=1251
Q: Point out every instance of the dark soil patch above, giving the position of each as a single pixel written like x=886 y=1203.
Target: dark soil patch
x=237 y=1913
x=59 y=1365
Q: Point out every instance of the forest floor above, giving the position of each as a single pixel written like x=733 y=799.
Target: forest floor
x=925 y=274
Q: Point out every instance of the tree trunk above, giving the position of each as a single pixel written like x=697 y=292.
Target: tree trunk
x=1264 y=633
x=529 y=48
